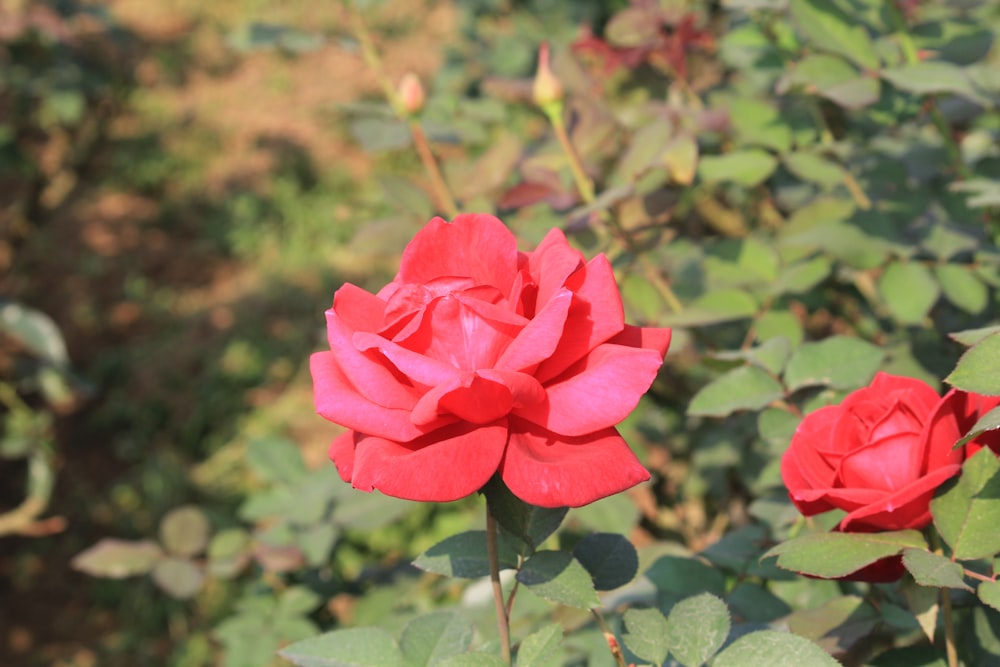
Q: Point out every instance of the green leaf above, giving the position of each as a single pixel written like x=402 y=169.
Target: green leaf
x=909 y=290
x=184 y=531
x=677 y=577
x=839 y=620
x=962 y=288
x=117 y=559
x=610 y=559
x=472 y=660
x=228 y=552
x=721 y=305
x=929 y=77
x=428 y=639
x=758 y=123
x=277 y=460
x=841 y=362
x=353 y=647
x=179 y=578
x=929 y=569
x=988 y=422
x=989 y=593
x=464 y=556
x=531 y=524
x=970 y=337
x=802 y=277
x=646 y=634
x=774 y=649
x=837 y=80
x=834 y=555
x=978 y=369
x=697 y=628
x=827 y=28
x=747 y=167
x=777 y=426
x=541 y=648
x=557 y=576
x=34 y=330
x=297 y=601
x=813 y=168
x=742 y=388
x=967 y=510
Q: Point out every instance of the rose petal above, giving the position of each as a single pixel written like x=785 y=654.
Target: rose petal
x=595 y=316
x=887 y=464
x=472 y=245
x=954 y=416
x=649 y=338
x=445 y=465
x=469 y=397
x=550 y=470
x=341 y=452
x=360 y=310
x=597 y=392
x=551 y=263
x=540 y=336
x=413 y=365
x=368 y=372
x=337 y=400
x=904 y=509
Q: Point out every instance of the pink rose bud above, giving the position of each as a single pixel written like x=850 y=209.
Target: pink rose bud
x=547 y=89
x=411 y=93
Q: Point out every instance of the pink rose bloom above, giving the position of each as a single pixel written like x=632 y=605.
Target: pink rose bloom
x=478 y=359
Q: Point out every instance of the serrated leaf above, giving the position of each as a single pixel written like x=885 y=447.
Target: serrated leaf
x=813 y=168
x=774 y=649
x=747 y=167
x=464 y=556
x=527 y=522
x=117 y=559
x=909 y=290
x=353 y=647
x=830 y=29
x=978 y=369
x=988 y=422
x=923 y=604
x=646 y=634
x=835 y=555
x=610 y=559
x=179 y=578
x=721 y=305
x=541 y=648
x=697 y=628
x=184 y=531
x=475 y=659
x=277 y=460
x=557 y=576
x=989 y=593
x=970 y=337
x=962 y=288
x=966 y=510
x=803 y=276
x=930 y=569
x=841 y=362
x=677 y=577
x=929 y=77
x=428 y=639
x=742 y=388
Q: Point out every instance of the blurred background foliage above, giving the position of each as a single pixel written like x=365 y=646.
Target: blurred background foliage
x=183 y=186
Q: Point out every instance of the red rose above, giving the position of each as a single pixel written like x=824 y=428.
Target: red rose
x=478 y=359
x=879 y=455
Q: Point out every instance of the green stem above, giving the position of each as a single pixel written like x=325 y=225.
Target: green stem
x=445 y=200
x=616 y=651
x=492 y=553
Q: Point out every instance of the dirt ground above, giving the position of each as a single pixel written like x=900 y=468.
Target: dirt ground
x=104 y=254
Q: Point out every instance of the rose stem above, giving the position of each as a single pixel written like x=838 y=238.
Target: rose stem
x=585 y=187
x=370 y=54
x=492 y=553
x=616 y=651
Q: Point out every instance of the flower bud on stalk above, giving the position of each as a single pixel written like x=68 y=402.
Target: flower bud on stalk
x=411 y=94
x=547 y=91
